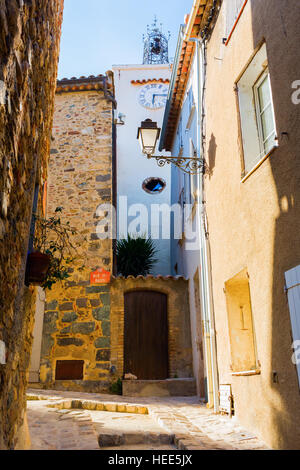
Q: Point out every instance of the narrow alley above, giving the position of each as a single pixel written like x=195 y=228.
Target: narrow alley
x=85 y=421
x=149 y=226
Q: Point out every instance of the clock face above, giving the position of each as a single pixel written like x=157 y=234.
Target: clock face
x=153 y=95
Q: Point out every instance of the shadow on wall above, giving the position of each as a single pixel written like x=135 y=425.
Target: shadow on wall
x=212 y=150
x=280 y=28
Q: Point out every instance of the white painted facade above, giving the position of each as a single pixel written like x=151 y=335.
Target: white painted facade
x=133 y=168
x=185 y=253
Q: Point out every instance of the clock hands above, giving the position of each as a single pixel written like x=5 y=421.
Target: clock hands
x=155 y=95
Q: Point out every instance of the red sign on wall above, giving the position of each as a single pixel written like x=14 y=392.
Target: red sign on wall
x=100 y=276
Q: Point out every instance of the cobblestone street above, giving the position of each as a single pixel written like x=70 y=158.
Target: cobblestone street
x=84 y=421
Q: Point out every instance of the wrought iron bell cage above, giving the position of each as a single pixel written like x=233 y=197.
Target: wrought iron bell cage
x=156 y=45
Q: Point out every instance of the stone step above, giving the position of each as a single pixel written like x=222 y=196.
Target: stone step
x=114 y=439
x=182 y=387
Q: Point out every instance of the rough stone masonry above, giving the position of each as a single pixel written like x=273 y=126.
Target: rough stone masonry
x=77 y=313
x=29 y=48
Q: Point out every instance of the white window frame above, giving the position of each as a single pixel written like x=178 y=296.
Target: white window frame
x=247 y=86
x=262 y=141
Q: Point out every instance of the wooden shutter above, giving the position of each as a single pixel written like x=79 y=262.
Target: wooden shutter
x=292 y=278
x=69 y=370
x=233 y=9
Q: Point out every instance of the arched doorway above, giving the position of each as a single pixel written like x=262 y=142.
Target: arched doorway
x=146 y=335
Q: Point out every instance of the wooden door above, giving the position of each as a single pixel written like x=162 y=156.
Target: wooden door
x=146 y=335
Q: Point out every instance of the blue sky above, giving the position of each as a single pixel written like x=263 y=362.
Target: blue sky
x=97 y=34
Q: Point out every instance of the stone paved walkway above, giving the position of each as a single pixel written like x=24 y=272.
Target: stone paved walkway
x=72 y=420
x=53 y=429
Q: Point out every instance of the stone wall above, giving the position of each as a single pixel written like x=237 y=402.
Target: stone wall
x=179 y=328
x=29 y=47
x=77 y=313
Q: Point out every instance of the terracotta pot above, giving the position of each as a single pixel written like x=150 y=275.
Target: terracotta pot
x=37 y=268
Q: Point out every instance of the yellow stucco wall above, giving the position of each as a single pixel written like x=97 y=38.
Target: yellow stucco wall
x=255 y=224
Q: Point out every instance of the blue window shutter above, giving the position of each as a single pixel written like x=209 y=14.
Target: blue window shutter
x=292 y=279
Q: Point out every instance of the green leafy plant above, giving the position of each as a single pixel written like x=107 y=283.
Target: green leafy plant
x=135 y=255
x=54 y=238
x=116 y=387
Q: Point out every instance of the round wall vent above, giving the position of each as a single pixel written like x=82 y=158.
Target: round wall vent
x=154 y=185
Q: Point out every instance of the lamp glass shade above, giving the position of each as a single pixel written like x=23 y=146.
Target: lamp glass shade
x=148 y=139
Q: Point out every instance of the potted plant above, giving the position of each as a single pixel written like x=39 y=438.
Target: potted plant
x=53 y=251
x=135 y=255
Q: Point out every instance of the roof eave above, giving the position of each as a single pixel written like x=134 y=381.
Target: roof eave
x=198 y=22
x=171 y=88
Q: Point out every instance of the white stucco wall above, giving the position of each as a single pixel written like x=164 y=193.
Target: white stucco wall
x=132 y=166
x=186 y=256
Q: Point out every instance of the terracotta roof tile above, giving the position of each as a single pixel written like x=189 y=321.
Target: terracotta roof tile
x=150 y=80
x=82 y=83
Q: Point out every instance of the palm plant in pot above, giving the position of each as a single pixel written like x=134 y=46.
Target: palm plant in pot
x=53 y=251
x=135 y=255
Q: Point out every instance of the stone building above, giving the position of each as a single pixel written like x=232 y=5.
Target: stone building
x=83 y=333
x=29 y=48
x=248 y=99
x=76 y=321
x=87 y=332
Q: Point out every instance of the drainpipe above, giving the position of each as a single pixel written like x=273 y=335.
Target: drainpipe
x=205 y=270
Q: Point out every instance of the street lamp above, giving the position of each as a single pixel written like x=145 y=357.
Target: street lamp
x=148 y=135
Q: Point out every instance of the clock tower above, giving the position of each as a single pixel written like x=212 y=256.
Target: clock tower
x=142 y=186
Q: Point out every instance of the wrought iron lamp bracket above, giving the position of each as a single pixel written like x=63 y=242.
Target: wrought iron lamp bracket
x=189 y=165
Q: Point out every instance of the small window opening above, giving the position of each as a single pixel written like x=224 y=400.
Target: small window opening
x=69 y=370
x=154 y=185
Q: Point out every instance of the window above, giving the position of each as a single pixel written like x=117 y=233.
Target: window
x=182 y=200
x=69 y=370
x=264 y=113
x=154 y=185
x=292 y=279
x=233 y=8
x=191 y=107
x=257 y=118
x=180 y=136
x=241 y=331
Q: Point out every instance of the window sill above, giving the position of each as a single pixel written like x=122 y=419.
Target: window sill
x=250 y=172
x=246 y=373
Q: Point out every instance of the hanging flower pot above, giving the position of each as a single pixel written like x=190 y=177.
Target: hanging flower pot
x=53 y=253
x=37 y=268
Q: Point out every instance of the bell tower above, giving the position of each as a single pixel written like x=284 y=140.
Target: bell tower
x=141 y=93
x=156 y=45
